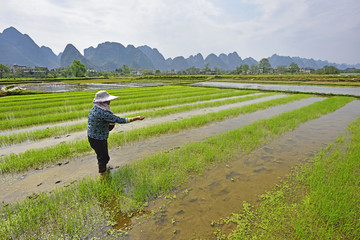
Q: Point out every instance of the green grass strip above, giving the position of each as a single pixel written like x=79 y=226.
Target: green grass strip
x=39 y=134
x=320 y=199
x=71 y=211
x=56 y=131
x=39 y=157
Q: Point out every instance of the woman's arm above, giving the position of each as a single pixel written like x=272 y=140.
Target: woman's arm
x=136 y=118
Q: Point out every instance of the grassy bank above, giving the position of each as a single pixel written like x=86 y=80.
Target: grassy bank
x=82 y=210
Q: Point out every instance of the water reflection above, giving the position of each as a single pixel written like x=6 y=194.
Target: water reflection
x=353 y=91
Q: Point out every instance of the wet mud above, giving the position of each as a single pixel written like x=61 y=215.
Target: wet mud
x=195 y=208
x=18 y=186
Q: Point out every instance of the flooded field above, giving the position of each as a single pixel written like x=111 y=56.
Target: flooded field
x=190 y=210
x=223 y=188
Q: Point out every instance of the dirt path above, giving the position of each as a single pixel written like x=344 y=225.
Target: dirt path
x=18 y=186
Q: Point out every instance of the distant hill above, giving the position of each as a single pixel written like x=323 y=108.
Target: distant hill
x=111 y=55
x=20 y=49
x=70 y=54
x=276 y=60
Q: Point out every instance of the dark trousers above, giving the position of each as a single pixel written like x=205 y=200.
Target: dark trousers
x=101 y=150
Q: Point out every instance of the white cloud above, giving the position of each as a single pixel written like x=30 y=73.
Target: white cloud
x=258 y=28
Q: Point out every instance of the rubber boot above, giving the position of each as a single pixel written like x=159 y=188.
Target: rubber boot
x=102 y=168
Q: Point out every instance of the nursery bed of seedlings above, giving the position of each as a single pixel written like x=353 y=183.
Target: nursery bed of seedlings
x=90 y=207
x=69 y=112
x=68 y=127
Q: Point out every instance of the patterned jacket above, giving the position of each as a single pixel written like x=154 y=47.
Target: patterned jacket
x=98 y=123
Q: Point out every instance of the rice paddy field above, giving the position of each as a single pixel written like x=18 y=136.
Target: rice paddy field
x=206 y=163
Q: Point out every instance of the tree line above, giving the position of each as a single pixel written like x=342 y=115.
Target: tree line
x=78 y=69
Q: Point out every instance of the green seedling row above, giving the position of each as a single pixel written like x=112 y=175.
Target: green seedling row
x=39 y=134
x=56 y=131
x=73 y=211
x=36 y=158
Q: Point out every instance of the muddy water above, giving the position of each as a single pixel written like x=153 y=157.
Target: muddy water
x=353 y=91
x=19 y=186
x=222 y=190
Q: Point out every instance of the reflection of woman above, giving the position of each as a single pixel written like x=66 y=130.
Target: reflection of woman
x=100 y=120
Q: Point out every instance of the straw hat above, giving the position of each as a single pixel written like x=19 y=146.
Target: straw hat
x=103 y=96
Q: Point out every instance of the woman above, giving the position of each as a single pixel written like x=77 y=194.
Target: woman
x=100 y=120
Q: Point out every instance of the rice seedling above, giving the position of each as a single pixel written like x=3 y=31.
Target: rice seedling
x=39 y=134
x=73 y=211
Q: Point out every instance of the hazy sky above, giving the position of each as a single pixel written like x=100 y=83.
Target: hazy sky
x=319 y=29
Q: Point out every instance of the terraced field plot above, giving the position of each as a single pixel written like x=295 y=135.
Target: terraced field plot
x=187 y=131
